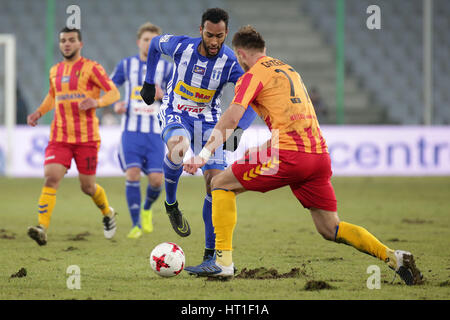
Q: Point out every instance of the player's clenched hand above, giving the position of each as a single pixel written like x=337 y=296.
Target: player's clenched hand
x=119 y=107
x=148 y=92
x=88 y=103
x=33 y=118
x=191 y=166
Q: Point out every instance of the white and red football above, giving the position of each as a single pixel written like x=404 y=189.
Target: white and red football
x=167 y=259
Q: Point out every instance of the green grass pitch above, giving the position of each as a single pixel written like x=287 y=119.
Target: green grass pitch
x=273 y=231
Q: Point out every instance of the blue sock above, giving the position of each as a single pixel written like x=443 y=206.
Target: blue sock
x=210 y=237
x=133 y=193
x=152 y=195
x=172 y=173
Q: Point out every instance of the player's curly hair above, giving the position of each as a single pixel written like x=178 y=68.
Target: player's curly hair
x=248 y=38
x=215 y=15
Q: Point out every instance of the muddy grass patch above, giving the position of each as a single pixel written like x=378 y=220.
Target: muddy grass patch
x=20 y=274
x=5 y=234
x=396 y=240
x=79 y=237
x=416 y=221
x=264 y=273
x=70 y=249
x=313 y=285
x=445 y=284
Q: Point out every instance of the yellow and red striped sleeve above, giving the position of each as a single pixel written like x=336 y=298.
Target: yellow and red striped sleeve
x=247 y=88
x=49 y=101
x=102 y=80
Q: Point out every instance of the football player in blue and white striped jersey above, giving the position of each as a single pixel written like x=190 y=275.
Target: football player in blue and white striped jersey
x=141 y=147
x=191 y=107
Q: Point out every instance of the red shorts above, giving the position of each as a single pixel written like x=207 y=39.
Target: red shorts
x=307 y=174
x=85 y=155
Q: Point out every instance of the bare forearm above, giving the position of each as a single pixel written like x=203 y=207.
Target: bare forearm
x=225 y=127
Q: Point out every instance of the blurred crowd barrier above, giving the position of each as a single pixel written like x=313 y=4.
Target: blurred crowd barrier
x=354 y=150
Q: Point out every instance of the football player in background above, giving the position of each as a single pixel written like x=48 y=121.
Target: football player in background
x=74 y=94
x=141 y=147
x=295 y=156
x=191 y=107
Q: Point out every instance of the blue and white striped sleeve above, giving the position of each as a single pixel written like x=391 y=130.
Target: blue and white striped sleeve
x=118 y=75
x=164 y=44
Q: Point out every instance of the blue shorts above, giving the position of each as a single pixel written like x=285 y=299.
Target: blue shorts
x=143 y=150
x=197 y=131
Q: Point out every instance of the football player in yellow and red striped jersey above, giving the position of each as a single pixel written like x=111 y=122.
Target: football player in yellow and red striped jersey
x=295 y=156
x=74 y=94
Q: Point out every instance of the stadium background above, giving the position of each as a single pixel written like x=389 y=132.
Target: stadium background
x=374 y=124
x=355 y=75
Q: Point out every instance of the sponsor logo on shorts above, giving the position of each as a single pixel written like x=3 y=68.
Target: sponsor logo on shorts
x=50 y=158
x=261 y=169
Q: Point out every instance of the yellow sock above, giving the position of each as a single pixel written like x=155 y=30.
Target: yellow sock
x=224 y=217
x=224 y=257
x=361 y=239
x=46 y=204
x=100 y=200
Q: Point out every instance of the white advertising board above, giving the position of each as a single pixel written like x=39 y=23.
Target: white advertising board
x=354 y=150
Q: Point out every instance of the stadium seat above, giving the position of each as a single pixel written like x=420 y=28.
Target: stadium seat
x=109 y=28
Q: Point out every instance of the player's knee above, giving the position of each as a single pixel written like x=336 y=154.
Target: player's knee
x=133 y=174
x=208 y=175
x=156 y=180
x=328 y=231
x=51 y=182
x=88 y=189
x=326 y=234
x=326 y=222
x=216 y=182
x=177 y=147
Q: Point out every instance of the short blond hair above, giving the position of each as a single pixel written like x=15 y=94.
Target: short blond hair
x=148 y=27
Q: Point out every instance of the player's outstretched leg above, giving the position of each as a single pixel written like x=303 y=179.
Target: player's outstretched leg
x=402 y=262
